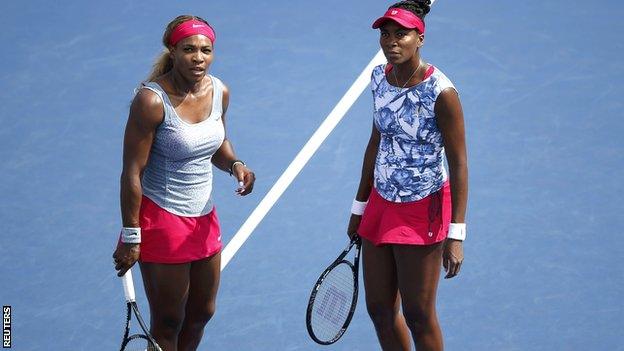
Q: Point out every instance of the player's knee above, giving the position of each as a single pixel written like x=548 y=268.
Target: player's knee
x=382 y=316
x=202 y=315
x=207 y=312
x=168 y=324
x=419 y=318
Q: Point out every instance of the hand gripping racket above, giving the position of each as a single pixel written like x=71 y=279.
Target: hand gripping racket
x=142 y=341
x=334 y=297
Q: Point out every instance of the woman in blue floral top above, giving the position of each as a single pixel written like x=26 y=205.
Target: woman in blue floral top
x=403 y=208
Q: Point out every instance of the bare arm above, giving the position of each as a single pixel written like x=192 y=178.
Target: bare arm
x=146 y=113
x=368 y=166
x=225 y=155
x=366 y=179
x=450 y=119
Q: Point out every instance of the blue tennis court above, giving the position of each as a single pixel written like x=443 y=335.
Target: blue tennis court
x=539 y=83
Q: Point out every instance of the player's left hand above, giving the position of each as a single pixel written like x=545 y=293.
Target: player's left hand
x=452 y=257
x=246 y=179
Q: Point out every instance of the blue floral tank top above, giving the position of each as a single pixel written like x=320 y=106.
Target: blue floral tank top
x=410 y=161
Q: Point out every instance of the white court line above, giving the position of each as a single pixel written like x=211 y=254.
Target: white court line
x=302 y=158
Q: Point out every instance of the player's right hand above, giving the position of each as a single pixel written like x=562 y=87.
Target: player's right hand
x=125 y=256
x=354 y=224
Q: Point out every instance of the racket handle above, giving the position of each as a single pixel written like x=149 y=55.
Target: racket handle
x=128 y=286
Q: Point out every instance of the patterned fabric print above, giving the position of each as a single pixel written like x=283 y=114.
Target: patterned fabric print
x=410 y=160
x=178 y=175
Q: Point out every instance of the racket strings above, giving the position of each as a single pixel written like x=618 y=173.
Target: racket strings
x=332 y=304
x=139 y=343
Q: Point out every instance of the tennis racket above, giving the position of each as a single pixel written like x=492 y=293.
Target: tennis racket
x=143 y=341
x=334 y=297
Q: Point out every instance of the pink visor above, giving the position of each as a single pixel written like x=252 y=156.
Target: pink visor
x=190 y=28
x=403 y=17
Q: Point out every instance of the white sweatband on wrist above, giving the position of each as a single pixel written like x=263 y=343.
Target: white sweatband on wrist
x=357 y=208
x=457 y=231
x=130 y=235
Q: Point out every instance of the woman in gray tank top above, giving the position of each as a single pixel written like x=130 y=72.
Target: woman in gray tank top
x=174 y=134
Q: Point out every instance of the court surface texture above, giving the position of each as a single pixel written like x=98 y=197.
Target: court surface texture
x=539 y=83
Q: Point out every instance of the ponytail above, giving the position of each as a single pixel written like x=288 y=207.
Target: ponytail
x=162 y=65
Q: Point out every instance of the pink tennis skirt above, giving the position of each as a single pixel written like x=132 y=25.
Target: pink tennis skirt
x=169 y=238
x=422 y=222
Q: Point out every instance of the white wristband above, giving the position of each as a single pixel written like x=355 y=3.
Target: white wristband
x=457 y=231
x=131 y=235
x=357 y=208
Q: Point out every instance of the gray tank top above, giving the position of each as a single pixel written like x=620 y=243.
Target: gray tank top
x=178 y=175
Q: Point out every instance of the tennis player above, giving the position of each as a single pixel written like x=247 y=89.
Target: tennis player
x=403 y=209
x=174 y=134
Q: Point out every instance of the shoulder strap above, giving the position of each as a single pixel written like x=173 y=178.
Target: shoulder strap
x=217 y=91
x=377 y=76
x=156 y=89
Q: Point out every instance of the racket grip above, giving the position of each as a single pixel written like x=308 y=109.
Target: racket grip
x=128 y=286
